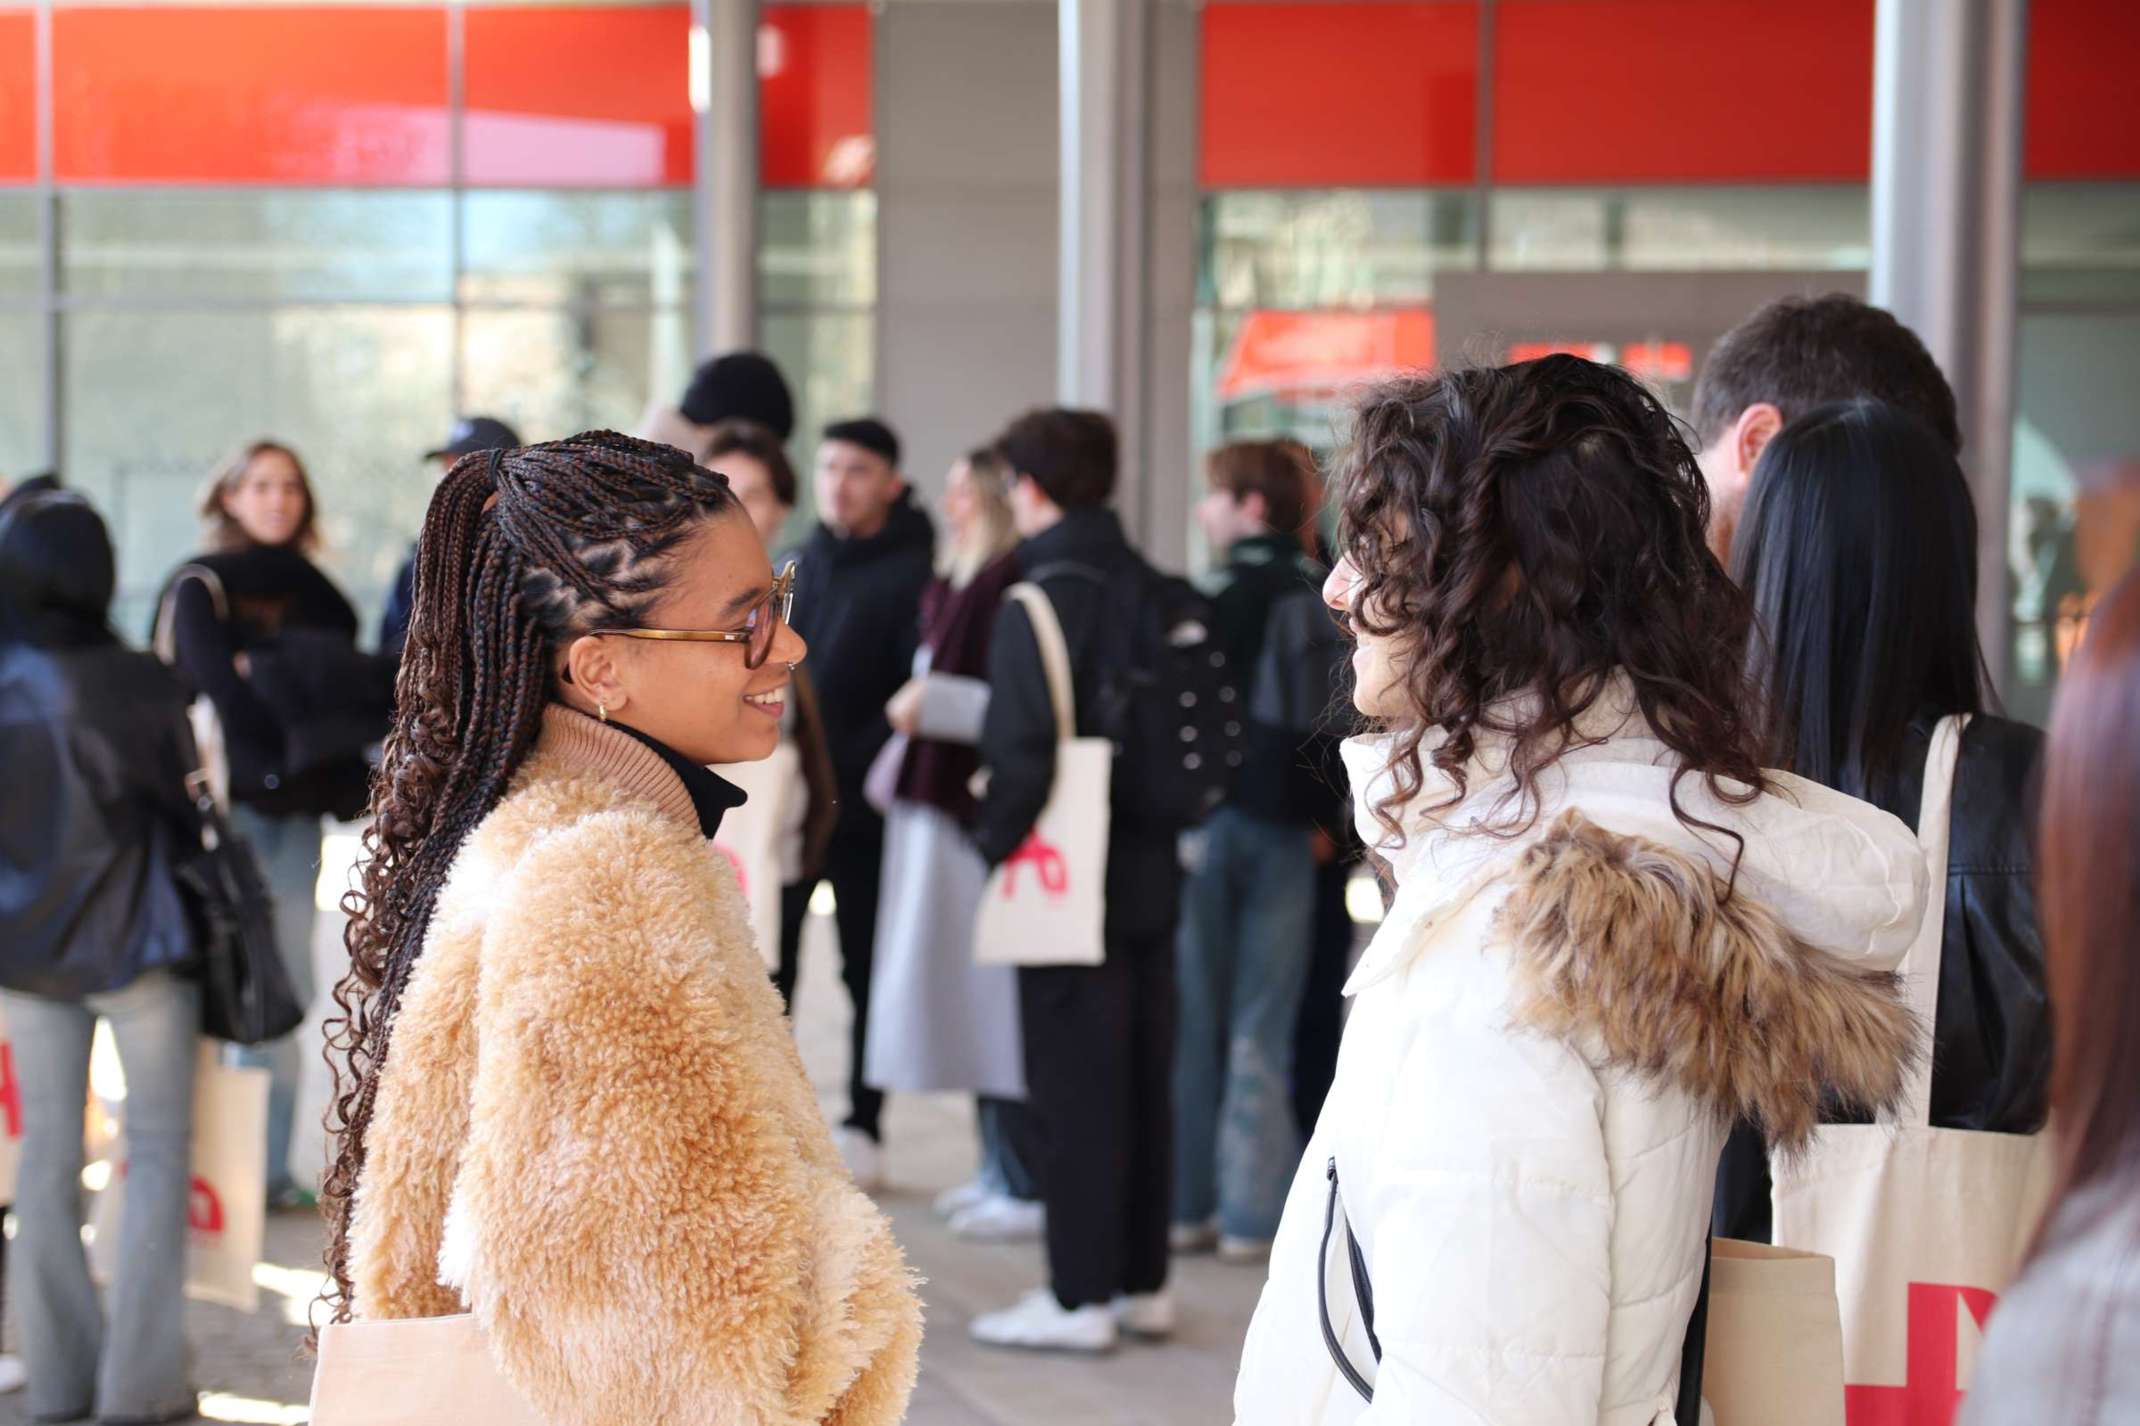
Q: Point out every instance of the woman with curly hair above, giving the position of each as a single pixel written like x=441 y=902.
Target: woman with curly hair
x=566 y=1099
x=1613 y=931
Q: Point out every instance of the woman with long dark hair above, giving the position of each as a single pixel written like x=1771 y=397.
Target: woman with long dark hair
x=94 y=739
x=257 y=630
x=565 y=1096
x=1613 y=930
x=1858 y=547
x=2064 y=1344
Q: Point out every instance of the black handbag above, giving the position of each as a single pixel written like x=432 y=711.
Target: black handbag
x=246 y=995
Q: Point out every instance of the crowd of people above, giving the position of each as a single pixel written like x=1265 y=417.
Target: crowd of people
x=1665 y=755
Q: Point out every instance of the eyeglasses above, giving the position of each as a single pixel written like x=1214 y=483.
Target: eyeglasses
x=759 y=625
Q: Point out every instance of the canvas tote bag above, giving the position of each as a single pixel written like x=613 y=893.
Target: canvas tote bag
x=1926 y=1226
x=1047 y=904
x=226 y=1213
x=415 y=1371
x=1774 y=1349
x=749 y=838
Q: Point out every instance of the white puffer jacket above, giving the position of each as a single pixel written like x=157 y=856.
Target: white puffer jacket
x=1547 y=1040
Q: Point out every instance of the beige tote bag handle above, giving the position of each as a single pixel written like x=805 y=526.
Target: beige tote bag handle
x=1054 y=656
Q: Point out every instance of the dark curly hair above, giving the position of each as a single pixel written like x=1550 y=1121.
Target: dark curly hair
x=522 y=552
x=1527 y=535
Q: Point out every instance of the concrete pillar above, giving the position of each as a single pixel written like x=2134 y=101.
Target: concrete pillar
x=724 y=98
x=1947 y=116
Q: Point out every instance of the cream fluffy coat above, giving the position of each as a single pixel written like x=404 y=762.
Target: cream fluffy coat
x=590 y=1078
x=1549 y=1037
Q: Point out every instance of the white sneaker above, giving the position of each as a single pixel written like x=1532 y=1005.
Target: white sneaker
x=1189 y=1238
x=954 y=1201
x=1040 y=1323
x=1244 y=1250
x=864 y=1158
x=12 y=1375
x=1145 y=1314
x=1000 y=1218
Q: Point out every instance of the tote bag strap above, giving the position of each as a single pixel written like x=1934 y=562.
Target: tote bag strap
x=166 y=640
x=1920 y=968
x=1054 y=655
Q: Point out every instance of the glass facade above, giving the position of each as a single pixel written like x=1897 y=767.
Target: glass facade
x=340 y=226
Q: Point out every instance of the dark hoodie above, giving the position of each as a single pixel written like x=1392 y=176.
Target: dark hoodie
x=858 y=605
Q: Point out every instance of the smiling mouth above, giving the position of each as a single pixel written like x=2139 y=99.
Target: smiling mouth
x=773 y=700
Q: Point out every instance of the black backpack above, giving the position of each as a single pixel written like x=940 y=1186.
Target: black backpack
x=1167 y=699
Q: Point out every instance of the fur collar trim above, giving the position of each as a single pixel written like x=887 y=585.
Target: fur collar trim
x=1644 y=951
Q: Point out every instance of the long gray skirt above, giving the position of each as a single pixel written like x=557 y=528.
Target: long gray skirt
x=937 y=1021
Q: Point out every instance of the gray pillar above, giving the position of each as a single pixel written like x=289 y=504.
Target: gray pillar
x=1103 y=54
x=1947 y=114
x=724 y=94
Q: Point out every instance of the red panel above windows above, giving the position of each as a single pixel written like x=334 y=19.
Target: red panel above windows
x=1291 y=354
x=18 y=96
x=816 y=122
x=1696 y=91
x=253 y=94
x=1339 y=94
x=2080 y=83
x=593 y=96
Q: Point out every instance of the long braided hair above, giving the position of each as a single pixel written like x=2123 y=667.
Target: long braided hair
x=522 y=552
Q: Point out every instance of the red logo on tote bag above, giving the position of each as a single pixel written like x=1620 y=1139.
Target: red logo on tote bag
x=1928 y=1396
x=1047 y=862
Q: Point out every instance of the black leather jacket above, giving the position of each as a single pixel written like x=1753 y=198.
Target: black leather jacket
x=1991 y=1057
x=95 y=749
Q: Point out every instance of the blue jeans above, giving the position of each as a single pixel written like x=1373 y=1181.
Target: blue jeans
x=288 y=849
x=1246 y=940
x=138 y=1366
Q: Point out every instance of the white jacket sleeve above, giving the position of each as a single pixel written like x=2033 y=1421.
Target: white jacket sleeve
x=1487 y=1231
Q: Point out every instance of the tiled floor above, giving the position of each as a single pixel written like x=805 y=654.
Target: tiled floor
x=248 y=1363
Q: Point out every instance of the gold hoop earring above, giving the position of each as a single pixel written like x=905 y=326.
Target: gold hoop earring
x=601 y=710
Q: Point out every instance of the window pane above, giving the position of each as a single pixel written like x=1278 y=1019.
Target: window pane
x=158 y=397
x=18 y=245
x=1343 y=248
x=2081 y=225
x=596 y=95
x=555 y=373
x=2075 y=516
x=22 y=384
x=251 y=94
x=815 y=96
x=817 y=249
x=830 y=361
x=18 y=96
x=555 y=248
x=259 y=243
x=1323 y=93
x=1796 y=229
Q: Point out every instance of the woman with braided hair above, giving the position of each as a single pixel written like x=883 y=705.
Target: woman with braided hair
x=565 y=1097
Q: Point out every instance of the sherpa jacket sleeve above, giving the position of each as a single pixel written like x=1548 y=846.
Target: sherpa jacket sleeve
x=1487 y=1228
x=649 y=1239
x=1018 y=737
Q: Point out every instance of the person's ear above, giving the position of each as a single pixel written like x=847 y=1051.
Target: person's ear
x=1750 y=434
x=593 y=681
x=1255 y=507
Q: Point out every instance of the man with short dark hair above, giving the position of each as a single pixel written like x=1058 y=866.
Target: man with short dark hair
x=470 y=435
x=1099 y=1040
x=1792 y=355
x=858 y=584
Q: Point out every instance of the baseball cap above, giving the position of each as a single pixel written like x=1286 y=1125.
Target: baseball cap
x=476 y=433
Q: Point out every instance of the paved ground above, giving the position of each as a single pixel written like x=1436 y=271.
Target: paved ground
x=249 y=1368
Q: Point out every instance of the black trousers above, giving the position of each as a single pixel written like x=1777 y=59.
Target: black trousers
x=1099 y=1058
x=854 y=864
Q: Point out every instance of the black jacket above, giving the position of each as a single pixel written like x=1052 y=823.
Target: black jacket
x=1991 y=1057
x=296 y=727
x=96 y=750
x=1267 y=604
x=858 y=606
x=1018 y=737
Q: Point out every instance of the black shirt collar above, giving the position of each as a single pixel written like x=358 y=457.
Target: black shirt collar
x=712 y=796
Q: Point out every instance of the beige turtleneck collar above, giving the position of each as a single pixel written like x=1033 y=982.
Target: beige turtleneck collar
x=584 y=744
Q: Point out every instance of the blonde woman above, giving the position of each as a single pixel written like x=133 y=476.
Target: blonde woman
x=938 y=1021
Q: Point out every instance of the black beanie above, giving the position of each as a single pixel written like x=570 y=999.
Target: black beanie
x=740 y=385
